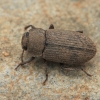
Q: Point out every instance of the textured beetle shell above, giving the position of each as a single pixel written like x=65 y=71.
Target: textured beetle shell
x=36 y=42
x=70 y=47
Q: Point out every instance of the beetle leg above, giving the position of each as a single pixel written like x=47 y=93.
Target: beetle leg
x=51 y=26
x=70 y=69
x=86 y=72
x=23 y=63
x=29 y=26
x=80 y=31
x=67 y=68
x=46 y=73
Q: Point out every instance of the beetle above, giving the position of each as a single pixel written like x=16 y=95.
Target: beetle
x=72 y=48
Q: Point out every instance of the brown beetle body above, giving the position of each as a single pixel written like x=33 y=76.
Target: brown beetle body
x=62 y=46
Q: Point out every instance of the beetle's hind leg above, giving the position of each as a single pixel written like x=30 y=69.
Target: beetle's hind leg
x=85 y=72
x=51 y=26
x=71 y=68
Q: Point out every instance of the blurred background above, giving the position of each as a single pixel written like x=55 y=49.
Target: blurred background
x=26 y=83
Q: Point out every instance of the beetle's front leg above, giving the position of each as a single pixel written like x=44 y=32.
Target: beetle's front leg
x=23 y=63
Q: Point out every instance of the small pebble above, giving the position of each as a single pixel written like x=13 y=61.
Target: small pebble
x=6 y=54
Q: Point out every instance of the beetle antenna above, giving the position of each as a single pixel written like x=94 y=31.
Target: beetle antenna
x=22 y=55
x=29 y=26
x=86 y=72
x=23 y=63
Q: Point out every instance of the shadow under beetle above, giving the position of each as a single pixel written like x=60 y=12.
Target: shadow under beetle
x=72 y=48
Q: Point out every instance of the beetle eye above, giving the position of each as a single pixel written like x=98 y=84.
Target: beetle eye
x=27 y=34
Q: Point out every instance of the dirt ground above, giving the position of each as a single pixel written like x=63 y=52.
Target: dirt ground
x=26 y=83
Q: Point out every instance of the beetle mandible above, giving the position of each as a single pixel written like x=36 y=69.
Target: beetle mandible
x=63 y=46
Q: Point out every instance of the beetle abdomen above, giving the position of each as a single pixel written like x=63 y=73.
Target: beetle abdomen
x=68 y=47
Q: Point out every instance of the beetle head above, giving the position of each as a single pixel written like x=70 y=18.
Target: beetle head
x=25 y=39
